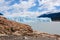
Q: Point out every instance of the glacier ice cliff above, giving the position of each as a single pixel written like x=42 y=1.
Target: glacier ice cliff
x=26 y=19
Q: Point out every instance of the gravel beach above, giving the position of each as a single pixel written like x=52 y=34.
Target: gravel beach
x=27 y=38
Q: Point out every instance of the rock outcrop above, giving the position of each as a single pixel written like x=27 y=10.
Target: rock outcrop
x=11 y=27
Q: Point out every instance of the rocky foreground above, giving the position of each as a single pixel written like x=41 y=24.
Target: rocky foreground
x=11 y=30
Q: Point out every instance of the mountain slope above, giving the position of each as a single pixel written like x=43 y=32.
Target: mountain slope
x=53 y=16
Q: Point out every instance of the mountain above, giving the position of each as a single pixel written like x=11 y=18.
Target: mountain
x=53 y=16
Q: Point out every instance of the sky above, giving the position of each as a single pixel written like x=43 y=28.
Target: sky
x=32 y=8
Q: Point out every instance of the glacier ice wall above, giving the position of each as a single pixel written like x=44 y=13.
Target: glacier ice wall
x=26 y=19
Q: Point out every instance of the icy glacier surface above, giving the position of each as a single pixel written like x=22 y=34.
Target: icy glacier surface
x=26 y=19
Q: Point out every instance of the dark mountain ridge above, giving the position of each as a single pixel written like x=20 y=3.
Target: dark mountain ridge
x=53 y=16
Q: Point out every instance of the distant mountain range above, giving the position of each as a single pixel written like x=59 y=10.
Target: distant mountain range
x=53 y=16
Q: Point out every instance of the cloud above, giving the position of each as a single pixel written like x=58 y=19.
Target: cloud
x=49 y=5
x=22 y=7
x=4 y=5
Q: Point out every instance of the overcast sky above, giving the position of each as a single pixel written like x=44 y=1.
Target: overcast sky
x=28 y=7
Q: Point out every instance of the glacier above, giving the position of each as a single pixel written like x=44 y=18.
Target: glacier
x=25 y=19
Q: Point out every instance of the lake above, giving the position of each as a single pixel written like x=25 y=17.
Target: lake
x=49 y=27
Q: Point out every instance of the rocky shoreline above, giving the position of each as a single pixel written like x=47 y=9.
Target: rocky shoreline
x=31 y=37
x=11 y=30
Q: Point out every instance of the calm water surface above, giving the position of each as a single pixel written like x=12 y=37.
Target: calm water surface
x=49 y=27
